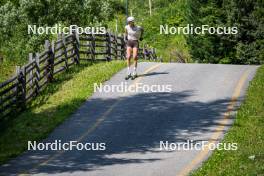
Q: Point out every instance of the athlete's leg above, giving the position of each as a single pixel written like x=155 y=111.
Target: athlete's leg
x=128 y=56
x=135 y=58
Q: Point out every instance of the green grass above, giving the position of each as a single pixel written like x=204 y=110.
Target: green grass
x=59 y=100
x=248 y=133
x=6 y=71
x=8 y=68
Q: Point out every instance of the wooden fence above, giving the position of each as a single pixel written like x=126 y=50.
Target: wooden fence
x=58 y=56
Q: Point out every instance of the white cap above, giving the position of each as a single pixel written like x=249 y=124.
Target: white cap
x=129 y=19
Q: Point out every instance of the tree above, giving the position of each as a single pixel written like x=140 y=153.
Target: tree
x=244 y=48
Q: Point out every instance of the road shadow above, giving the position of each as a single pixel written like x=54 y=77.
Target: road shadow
x=153 y=74
x=136 y=124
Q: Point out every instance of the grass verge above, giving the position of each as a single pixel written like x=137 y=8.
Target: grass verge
x=248 y=133
x=57 y=102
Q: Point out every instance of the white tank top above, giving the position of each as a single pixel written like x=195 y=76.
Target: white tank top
x=133 y=33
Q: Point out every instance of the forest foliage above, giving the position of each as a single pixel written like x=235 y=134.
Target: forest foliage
x=246 y=47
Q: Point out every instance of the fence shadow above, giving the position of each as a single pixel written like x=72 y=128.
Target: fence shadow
x=136 y=124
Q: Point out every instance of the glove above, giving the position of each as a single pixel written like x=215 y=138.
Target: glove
x=141 y=38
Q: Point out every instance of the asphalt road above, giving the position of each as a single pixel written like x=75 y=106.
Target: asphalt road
x=132 y=124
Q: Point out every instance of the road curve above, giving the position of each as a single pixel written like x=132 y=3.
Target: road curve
x=132 y=124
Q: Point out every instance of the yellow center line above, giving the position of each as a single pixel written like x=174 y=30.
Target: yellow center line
x=94 y=126
x=219 y=130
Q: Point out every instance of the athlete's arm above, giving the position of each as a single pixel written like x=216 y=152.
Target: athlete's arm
x=126 y=34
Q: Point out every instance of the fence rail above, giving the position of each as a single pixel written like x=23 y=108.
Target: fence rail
x=58 y=56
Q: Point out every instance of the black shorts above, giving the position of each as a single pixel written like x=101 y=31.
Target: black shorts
x=132 y=43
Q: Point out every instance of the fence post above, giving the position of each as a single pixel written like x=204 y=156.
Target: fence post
x=116 y=46
x=154 y=54
x=64 y=51
x=52 y=58
x=123 y=47
x=37 y=74
x=24 y=86
x=144 y=52
x=92 y=47
x=17 y=89
x=108 y=46
x=161 y=60
x=21 y=87
x=60 y=45
x=30 y=60
x=76 y=47
x=50 y=64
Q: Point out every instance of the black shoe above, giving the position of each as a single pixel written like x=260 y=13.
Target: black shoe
x=134 y=77
x=128 y=76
